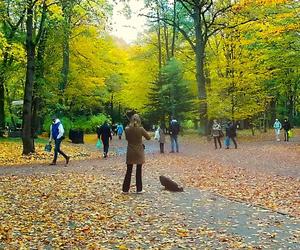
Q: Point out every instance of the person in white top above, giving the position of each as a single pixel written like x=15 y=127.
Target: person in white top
x=57 y=134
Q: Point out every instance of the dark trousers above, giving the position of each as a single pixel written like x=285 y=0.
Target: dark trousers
x=57 y=150
x=105 y=146
x=233 y=140
x=286 y=135
x=219 y=141
x=161 y=147
x=126 y=183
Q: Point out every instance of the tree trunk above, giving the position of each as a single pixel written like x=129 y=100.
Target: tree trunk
x=2 y=93
x=66 y=63
x=66 y=47
x=174 y=30
x=159 y=44
x=166 y=35
x=273 y=110
x=2 y=103
x=112 y=108
x=200 y=77
x=27 y=138
x=37 y=100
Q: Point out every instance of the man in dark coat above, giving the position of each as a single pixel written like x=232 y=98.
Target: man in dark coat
x=286 y=127
x=174 y=131
x=231 y=134
x=104 y=132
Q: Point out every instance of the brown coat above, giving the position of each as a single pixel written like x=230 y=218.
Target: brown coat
x=162 y=137
x=135 y=150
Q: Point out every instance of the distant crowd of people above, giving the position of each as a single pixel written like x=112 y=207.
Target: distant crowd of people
x=134 y=134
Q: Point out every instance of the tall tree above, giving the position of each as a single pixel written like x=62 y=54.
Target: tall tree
x=32 y=39
x=198 y=20
x=11 y=17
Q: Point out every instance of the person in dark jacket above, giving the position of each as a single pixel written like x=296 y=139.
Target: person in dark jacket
x=104 y=132
x=174 y=131
x=231 y=134
x=57 y=134
x=286 y=127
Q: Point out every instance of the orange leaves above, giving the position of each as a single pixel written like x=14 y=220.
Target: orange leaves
x=11 y=153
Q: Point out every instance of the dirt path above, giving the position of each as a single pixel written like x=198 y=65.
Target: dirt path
x=81 y=205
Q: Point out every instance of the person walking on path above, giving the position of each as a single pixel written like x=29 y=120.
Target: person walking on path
x=120 y=130
x=161 y=138
x=277 y=127
x=57 y=134
x=286 y=127
x=135 y=153
x=104 y=132
x=217 y=133
x=231 y=134
x=174 y=131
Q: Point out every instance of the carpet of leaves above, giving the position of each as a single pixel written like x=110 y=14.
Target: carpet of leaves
x=85 y=211
x=278 y=193
x=11 y=154
x=81 y=207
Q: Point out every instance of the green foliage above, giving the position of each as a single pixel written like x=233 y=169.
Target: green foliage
x=89 y=124
x=170 y=95
x=188 y=124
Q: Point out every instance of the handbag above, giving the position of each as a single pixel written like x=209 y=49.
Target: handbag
x=48 y=147
x=221 y=134
x=227 y=141
x=99 y=144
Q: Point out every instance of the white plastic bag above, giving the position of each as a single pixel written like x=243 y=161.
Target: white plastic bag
x=156 y=135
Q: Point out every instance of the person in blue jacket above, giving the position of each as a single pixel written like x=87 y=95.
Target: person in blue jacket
x=120 y=130
x=277 y=127
x=57 y=134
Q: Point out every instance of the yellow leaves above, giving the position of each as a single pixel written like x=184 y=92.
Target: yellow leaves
x=11 y=153
x=56 y=12
x=122 y=247
x=5 y=234
x=182 y=232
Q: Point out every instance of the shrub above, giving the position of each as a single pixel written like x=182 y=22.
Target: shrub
x=64 y=120
x=89 y=124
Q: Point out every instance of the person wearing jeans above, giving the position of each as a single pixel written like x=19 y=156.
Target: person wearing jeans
x=174 y=131
x=135 y=153
x=231 y=134
x=56 y=133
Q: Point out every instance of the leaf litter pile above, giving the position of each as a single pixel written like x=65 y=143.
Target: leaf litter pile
x=278 y=193
x=87 y=210
x=10 y=154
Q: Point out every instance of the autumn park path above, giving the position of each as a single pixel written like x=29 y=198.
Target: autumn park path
x=233 y=199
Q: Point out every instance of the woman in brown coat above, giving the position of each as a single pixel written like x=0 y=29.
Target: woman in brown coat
x=135 y=152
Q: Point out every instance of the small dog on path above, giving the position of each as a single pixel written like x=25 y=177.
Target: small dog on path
x=169 y=184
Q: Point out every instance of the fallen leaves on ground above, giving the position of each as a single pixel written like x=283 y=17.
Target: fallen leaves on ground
x=278 y=193
x=71 y=210
x=11 y=153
